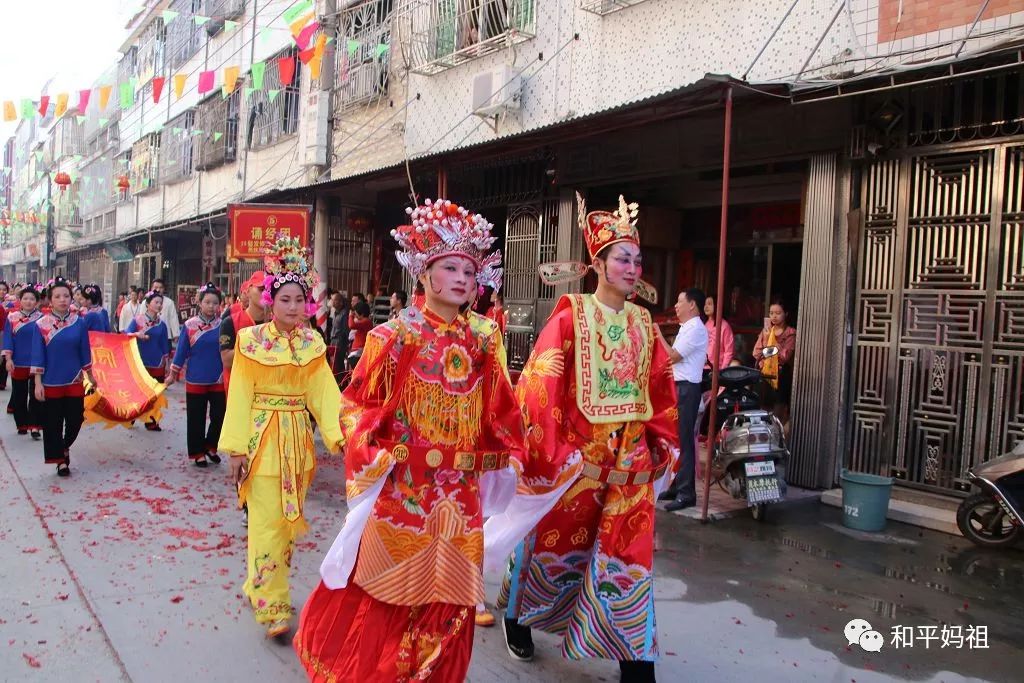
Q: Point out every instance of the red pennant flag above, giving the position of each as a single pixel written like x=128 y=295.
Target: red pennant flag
x=205 y=82
x=286 y=67
x=158 y=88
x=44 y=104
x=83 y=101
x=306 y=55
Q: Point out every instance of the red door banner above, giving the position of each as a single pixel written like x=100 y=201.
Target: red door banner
x=124 y=390
x=255 y=227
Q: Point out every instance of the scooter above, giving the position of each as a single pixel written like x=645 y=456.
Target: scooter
x=992 y=517
x=750 y=451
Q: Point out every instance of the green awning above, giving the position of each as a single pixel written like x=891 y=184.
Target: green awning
x=119 y=253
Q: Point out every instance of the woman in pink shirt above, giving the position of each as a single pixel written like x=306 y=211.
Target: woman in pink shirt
x=728 y=351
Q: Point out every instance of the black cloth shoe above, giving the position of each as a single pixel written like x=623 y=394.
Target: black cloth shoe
x=681 y=504
x=63 y=470
x=636 y=672
x=199 y=462
x=213 y=457
x=668 y=494
x=23 y=432
x=36 y=435
x=518 y=640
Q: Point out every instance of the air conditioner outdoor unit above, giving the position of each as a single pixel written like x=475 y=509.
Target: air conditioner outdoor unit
x=497 y=91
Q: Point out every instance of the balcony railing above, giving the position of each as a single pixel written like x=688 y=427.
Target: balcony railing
x=446 y=33
x=362 y=61
x=603 y=7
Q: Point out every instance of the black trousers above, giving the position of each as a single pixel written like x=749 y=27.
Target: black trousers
x=3 y=374
x=28 y=412
x=62 y=420
x=688 y=397
x=200 y=437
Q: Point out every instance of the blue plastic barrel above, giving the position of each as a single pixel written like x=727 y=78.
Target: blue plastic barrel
x=865 y=500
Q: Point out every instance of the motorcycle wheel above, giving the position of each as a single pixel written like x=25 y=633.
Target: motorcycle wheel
x=759 y=512
x=983 y=522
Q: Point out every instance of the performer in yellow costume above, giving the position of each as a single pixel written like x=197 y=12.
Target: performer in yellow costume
x=279 y=372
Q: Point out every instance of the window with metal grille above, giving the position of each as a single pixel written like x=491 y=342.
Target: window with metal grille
x=274 y=111
x=217 y=119
x=149 y=60
x=122 y=166
x=446 y=33
x=184 y=36
x=145 y=163
x=176 y=148
x=363 y=52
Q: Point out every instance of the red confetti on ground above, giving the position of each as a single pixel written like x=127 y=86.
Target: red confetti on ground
x=56 y=489
x=838 y=565
x=128 y=529
x=177 y=598
x=194 y=534
x=966 y=605
x=158 y=506
x=62 y=596
x=225 y=542
x=32 y=661
x=30 y=551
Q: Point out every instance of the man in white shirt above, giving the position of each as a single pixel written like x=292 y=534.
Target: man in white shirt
x=688 y=354
x=132 y=308
x=169 y=313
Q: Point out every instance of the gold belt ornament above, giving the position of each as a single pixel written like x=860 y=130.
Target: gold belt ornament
x=286 y=404
x=611 y=475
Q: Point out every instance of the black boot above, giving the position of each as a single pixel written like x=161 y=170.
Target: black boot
x=518 y=640
x=636 y=672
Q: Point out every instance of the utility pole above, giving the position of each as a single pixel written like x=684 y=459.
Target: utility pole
x=321 y=216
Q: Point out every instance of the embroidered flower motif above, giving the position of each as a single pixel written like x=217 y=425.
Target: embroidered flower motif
x=457 y=364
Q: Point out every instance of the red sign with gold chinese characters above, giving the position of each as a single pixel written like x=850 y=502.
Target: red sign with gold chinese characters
x=255 y=227
x=124 y=390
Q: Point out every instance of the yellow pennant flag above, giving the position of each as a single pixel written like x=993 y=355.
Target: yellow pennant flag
x=318 y=56
x=230 y=79
x=62 y=104
x=179 y=84
x=300 y=23
x=104 y=96
x=10 y=111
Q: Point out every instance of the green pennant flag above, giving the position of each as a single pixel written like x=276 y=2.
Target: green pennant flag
x=104 y=122
x=127 y=96
x=197 y=131
x=217 y=136
x=176 y=130
x=272 y=94
x=330 y=39
x=230 y=25
x=80 y=119
x=266 y=33
x=249 y=91
x=258 y=70
x=353 y=47
x=169 y=15
x=39 y=157
x=380 y=50
x=201 y=20
x=28 y=109
x=296 y=10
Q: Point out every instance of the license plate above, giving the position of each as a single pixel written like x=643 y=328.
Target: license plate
x=763 y=490
x=760 y=468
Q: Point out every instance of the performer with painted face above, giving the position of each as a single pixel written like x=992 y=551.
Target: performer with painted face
x=154 y=344
x=434 y=439
x=279 y=376
x=17 y=359
x=199 y=352
x=598 y=383
x=61 y=356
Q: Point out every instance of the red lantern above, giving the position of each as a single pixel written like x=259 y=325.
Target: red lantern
x=63 y=180
x=33 y=218
x=123 y=184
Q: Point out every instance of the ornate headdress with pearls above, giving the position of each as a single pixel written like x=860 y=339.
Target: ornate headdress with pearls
x=442 y=228
x=288 y=262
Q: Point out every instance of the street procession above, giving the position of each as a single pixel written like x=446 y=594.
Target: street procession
x=512 y=340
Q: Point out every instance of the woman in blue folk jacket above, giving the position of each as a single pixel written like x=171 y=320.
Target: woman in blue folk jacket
x=199 y=353
x=17 y=357
x=96 y=317
x=61 y=357
x=154 y=344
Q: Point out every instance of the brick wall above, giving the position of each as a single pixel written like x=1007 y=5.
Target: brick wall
x=924 y=16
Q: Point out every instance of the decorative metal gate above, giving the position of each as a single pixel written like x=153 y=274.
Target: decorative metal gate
x=938 y=375
x=529 y=238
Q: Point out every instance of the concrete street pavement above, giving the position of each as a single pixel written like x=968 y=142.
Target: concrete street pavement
x=130 y=570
